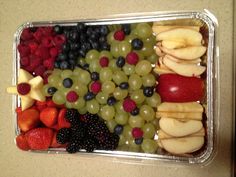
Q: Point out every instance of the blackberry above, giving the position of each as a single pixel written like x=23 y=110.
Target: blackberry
x=72 y=115
x=78 y=131
x=89 y=118
x=90 y=144
x=110 y=142
x=74 y=146
x=63 y=135
x=97 y=128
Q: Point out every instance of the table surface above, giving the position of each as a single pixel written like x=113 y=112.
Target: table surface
x=14 y=162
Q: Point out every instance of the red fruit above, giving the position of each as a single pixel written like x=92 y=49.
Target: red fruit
x=54 y=52
x=18 y=110
x=46 y=31
x=49 y=116
x=40 y=105
x=50 y=103
x=137 y=132
x=54 y=143
x=176 y=88
x=39 y=71
x=62 y=122
x=132 y=58
x=29 y=68
x=72 y=96
x=47 y=41
x=33 y=46
x=24 y=61
x=24 y=50
x=28 y=119
x=96 y=87
x=129 y=105
x=104 y=61
x=38 y=35
x=23 y=88
x=39 y=138
x=21 y=142
x=59 y=40
x=42 y=52
x=49 y=63
x=119 y=35
x=26 y=34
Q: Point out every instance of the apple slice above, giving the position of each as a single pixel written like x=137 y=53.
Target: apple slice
x=183 y=35
x=181 y=115
x=159 y=51
x=159 y=70
x=180 y=107
x=156 y=28
x=173 y=44
x=26 y=102
x=178 y=128
x=182 y=145
x=187 y=53
x=37 y=95
x=189 y=70
x=24 y=76
x=12 y=90
x=177 y=60
x=36 y=82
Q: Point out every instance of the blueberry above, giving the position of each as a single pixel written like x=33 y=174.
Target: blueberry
x=82 y=38
x=126 y=28
x=67 y=82
x=104 y=30
x=64 y=65
x=72 y=55
x=148 y=91
x=80 y=27
x=135 y=111
x=58 y=29
x=89 y=96
x=66 y=47
x=102 y=39
x=51 y=90
x=74 y=36
x=62 y=56
x=86 y=66
x=105 y=46
x=57 y=64
x=124 y=85
x=118 y=129
x=95 y=45
x=137 y=44
x=120 y=62
x=82 y=53
x=138 y=141
x=94 y=76
x=89 y=31
x=86 y=46
x=74 y=46
x=72 y=62
x=111 y=101
x=93 y=36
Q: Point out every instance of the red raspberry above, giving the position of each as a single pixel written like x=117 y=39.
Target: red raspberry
x=137 y=132
x=54 y=52
x=47 y=41
x=129 y=105
x=39 y=71
x=72 y=96
x=49 y=63
x=42 y=52
x=95 y=87
x=119 y=35
x=104 y=61
x=26 y=34
x=33 y=46
x=59 y=40
x=46 y=31
x=29 y=68
x=132 y=58
x=38 y=35
x=24 y=50
x=35 y=61
x=23 y=88
x=24 y=61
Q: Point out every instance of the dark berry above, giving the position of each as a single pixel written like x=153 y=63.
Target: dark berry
x=89 y=118
x=64 y=65
x=120 y=62
x=72 y=62
x=93 y=36
x=94 y=76
x=135 y=111
x=126 y=28
x=89 y=31
x=72 y=115
x=80 y=27
x=74 y=46
x=118 y=129
x=111 y=101
x=72 y=55
x=89 y=96
x=124 y=85
x=119 y=35
x=73 y=147
x=62 y=56
x=89 y=144
x=67 y=82
x=33 y=29
x=63 y=135
x=57 y=64
x=58 y=29
x=137 y=44
x=78 y=131
x=86 y=46
x=74 y=36
x=95 y=45
x=51 y=90
x=102 y=39
x=82 y=53
x=148 y=91
x=66 y=47
x=86 y=66
x=105 y=46
x=104 y=30
x=138 y=141
x=82 y=38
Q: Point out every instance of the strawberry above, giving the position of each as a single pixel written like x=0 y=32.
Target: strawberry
x=50 y=103
x=21 y=142
x=54 y=143
x=62 y=122
x=41 y=105
x=18 y=110
x=49 y=116
x=39 y=138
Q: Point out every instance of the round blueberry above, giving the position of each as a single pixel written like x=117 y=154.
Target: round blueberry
x=94 y=76
x=72 y=55
x=74 y=46
x=105 y=46
x=89 y=96
x=104 y=30
x=72 y=62
x=137 y=44
x=64 y=65
x=102 y=39
x=135 y=111
x=89 y=31
x=138 y=141
x=86 y=66
x=67 y=82
x=86 y=46
x=58 y=29
x=80 y=27
x=51 y=90
x=82 y=53
x=120 y=62
x=126 y=28
x=74 y=36
x=57 y=64
x=118 y=129
x=148 y=91
x=124 y=85
x=62 y=56
x=66 y=47
x=95 y=45
x=111 y=101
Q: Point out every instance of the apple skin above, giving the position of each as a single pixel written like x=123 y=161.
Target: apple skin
x=176 y=88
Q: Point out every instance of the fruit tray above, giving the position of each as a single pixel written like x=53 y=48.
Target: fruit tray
x=181 y=24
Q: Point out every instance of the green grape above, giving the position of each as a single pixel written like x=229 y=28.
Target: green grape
x=83 y=110
x=154 y=100
x=94 y=66
x=122 y=118
x=102 y=97
x=130 y=37
x=119 y=93
x=124 y=48
x=53 y=80
x=140 y=54
x=77 y=72
x=58 y=97
x=119 y=77
x=133 y=146
x=133 y=26
x=122 y=140
x=92 y=106
x=151 y=40
x=134 y=32
x=107 y=112
x=138 y=96
x=136 y=121
x=149 y=80
x=147 y=112
x=91 y=56
x=143 y=67
x=153 y=58
x=144 y=30
x=149 y=146
x=84 y=77
x=112 y=65
x=119 y=107
x=127 y=132
x=81 y=61
x=45 y=90
x=110 y=38
x=69 y=105
x=128 y=69
x=148 y=130
x=124 y=147
x=106 y=53
x=80 y=103
x=66 y=73
x=56 y=72
x=147 y=49
x=111 y=124
x=155 y=122
x=115 y=51
x=65 y=90
x=108 y=87
x=105 y=74
x=135 y=82
x=81 y=89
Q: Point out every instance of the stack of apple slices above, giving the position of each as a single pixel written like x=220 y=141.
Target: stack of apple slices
x=179 y=49
x=181 y=129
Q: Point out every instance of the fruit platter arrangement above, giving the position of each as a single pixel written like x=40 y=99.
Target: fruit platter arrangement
x=137 y=87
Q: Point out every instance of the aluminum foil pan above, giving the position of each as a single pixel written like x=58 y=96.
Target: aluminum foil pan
x=208 y=24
